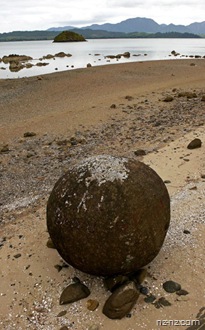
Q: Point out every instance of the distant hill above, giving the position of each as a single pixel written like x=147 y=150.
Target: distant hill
x=140 y=24
x=138 y=27
x=89 y=34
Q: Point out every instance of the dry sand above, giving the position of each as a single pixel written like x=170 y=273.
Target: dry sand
x=61 y=107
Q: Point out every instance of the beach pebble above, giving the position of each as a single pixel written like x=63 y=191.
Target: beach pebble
x=182 y=292
x=113 y=106
x=144 y=290
x=111 y=283
x=150 y=299
x=140 y=152
x=18 y=255
x=92 y=305
x=62 y=313
x=121 y=302
x=74 y=292
x=162 y=302
x=5 y=148
x=186 y=231
x=50 y=244
x=171 y=286
x=196 y=143
x=168 y=98
x=29 y=134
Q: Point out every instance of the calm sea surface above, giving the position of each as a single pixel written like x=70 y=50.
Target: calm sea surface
x=94 y=52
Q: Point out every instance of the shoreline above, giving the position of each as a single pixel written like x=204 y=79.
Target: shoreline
x=117 y=110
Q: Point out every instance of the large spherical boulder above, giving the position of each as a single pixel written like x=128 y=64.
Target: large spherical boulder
x=108 y=215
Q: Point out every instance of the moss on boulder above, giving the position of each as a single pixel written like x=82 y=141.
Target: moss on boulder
x=68 y=36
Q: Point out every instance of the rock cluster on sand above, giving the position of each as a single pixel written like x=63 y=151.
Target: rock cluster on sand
x=108 y=215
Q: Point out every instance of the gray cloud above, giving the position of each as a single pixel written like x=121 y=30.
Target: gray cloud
x=31 y=15
x=125 y=4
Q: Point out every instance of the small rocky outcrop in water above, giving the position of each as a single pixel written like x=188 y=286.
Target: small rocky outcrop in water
x=68 y=36
x=16 y=58
x=17 y=62
x=108 y=215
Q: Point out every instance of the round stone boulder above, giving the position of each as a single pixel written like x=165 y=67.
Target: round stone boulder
x=108 y=215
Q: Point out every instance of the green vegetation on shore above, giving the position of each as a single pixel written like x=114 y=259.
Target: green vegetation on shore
x=68 y=36
x=89 y=34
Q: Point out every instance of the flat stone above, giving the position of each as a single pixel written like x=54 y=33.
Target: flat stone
x=150 y=299
x=111 y=283
x=74 y=292
x=92 y=305
x=121 y=302
x=182 y=292
x=62 y=313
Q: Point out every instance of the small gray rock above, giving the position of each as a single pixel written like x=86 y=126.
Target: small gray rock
x=171 y=286
x=150 y=299
x=182 y=292
x=74 y=292
x=62 y=313
x=120 y=303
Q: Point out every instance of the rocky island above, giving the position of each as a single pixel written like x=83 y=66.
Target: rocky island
x=68 y=36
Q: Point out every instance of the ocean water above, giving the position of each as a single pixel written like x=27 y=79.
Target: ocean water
x=94 y=51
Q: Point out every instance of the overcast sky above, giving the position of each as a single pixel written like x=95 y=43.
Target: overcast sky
x=41 y=15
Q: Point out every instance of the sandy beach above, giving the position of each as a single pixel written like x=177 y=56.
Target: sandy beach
x=148 y=111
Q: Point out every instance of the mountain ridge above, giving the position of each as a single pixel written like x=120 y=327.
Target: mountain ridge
x=141 y=24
